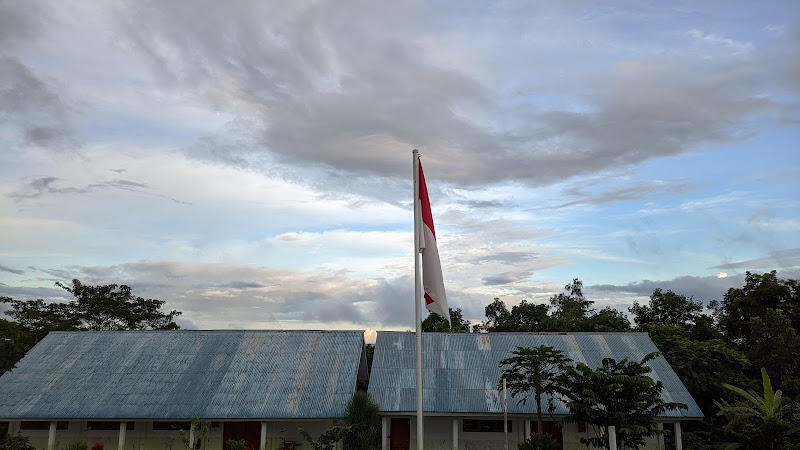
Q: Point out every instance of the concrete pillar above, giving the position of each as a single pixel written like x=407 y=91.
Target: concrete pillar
x=678 y=438
x=384 y=433
x=263 y=442
x=527 y=429
x=123 y=427
x=660 y=427
x=612 y=438
x=191 y=436
x=455 y=433
x=51 y=438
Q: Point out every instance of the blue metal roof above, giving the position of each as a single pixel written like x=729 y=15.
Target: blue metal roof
x=461 y=371
x=181 y=374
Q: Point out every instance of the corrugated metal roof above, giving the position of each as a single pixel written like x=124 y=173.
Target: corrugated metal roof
x=181 y=374
x=461 y=371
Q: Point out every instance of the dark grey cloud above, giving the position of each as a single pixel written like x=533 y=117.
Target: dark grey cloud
x=33 y=293
x=242 y=285
x=40 y=187
x=506 y=257
x=507 y=277
x=318 y=88
x=34 y=106
x=20 y=21
x=780 y=259
x=10 y=270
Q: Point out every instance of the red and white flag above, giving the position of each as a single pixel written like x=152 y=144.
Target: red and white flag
x=432 y=280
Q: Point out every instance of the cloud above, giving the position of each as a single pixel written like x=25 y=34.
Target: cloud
x=33 y=106
x=622 y=193
x=506 y=278
x=316 y=92
x=780 y=259
x=10 y=270
x=713 y=39
x=40 y=187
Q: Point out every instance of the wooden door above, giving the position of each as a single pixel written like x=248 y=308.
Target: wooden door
x=400 y=433
x=553 y=429
x=249 y=431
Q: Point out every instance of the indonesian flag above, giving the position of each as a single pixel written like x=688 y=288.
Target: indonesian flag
x=432 y=280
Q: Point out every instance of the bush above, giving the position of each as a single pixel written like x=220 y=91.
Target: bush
x=537 y=442
x=18 y=442
x=231 y=444
x=76 y=445
x=99 y=445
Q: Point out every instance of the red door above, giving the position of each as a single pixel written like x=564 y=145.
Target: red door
x=249 y=431
x=553 y=429
x=401 y=433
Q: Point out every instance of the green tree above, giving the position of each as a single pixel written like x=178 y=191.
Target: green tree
x=533 y=370
x=436 y=323
x=702 y=366
x=39 y=318
x=362 y=422
x=619 y=394
x=608 y=320
x=760 y=293
x=774 y=343
x=667 y=308
x=15 y=442
x=570 y=311
x=523 y=317
x=15 y=341
x=761 y=422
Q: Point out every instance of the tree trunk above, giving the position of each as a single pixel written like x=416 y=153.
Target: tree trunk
x=539 y=422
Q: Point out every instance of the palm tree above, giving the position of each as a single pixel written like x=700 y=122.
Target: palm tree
x=761 y=421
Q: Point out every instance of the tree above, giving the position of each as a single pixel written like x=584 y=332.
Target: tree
x=702 y=366
x=114 y=307
x=773 y=342
x=363 y=423
x=667 y=308
x=608 y=320
x=524 y=317
x=760 y=293
x=39 y=318
x=533 y=370
x=570 y=310
x=761 y=422
x=15 y=341
x=436 y=323
x=619 y=394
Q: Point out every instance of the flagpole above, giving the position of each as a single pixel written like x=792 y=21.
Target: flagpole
x=418 y=299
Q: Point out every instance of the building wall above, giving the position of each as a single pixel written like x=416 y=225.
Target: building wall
x=143 y=437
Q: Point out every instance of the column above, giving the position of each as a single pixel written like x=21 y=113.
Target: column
x=660 y=438
x=51 y=438
x=612 y=438
x=527 y=434
x=263 y=442
x=678 y=439
x=123 y=427
x=455 y=433
x=384 y=433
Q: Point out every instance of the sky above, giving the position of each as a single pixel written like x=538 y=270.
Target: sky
x=250 y=162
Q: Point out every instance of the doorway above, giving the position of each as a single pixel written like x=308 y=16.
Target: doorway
x=400 y=430
x=249 y=431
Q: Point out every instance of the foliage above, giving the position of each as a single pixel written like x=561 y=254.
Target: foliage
x=108 y=307
x=607 y=320
x=231 y=444
x=198 y=430
x=362 y=420
x=761 y=421
x=15 y=442
x=538 y=442
x=667 y=308
x=774 y=343
x=533 y=370
x=619 y=394
x=326 y=441
x=15 y=341
x=527 y=317
x=99 y=445
x=702 y=366
x=436 y=323
x=570 y=310
x=760 y=293
x=76 y=445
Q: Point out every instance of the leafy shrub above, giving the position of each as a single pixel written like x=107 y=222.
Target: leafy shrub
x=18 y=442
x=99 y=445
x=76 y=445
x=537 y=442
x=231 y=444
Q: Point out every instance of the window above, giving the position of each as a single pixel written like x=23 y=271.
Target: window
x=484 y=426
x=42 y=425
x=110 y=426
x=171 y=425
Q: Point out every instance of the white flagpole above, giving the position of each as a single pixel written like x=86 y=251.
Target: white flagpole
x=418 y=299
